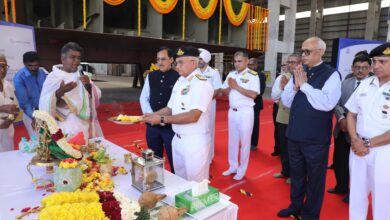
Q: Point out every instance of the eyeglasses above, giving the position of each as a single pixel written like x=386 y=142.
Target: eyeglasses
x=292 y=62
x=4 y=67
x=307 y=52
x=361 y=68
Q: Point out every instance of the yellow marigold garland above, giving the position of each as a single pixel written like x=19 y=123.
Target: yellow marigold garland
x=79 y=211
x=60 y=198
x=204 y=12
x=235 y=19
x=163 y=7
x=114 y=2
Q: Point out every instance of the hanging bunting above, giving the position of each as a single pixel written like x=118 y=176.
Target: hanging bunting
x=183 y=36
x=236 y=11
x=13 y=8
x=220 y=23
x=6 y=10
x=257 y=38
x=114 y=2
x=85 y=15
x=163 y=6
x=204 y=9
x=139 y=18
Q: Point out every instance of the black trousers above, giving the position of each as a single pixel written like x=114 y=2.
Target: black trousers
x=256 y=126
x=283 y=144
x=308 y=166
x=341 y=161
x=159 y=137
x=276 y=135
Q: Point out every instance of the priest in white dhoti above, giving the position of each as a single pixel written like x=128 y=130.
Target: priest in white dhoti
x=8 y=108
x=70 y=96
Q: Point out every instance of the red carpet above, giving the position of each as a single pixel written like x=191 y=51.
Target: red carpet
x=269 y=194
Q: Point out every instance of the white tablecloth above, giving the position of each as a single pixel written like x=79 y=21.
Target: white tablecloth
x=17 y=190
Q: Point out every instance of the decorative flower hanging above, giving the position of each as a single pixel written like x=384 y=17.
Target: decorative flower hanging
x=114 y=2
x=235 y=11
x=163 y=6
x=204 y=9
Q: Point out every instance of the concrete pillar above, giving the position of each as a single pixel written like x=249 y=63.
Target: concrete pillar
x=196 y=29
x=95 y=14
x=66 y=13
x=274 y=45
x=53 y=13
x=388 y=24
x=372 y=22
x=316 y=18
x=154 y=25
x=239 y=34
x=289 y=27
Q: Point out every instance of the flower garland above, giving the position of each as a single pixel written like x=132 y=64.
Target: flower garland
x=56 y=133
x=206 y=10
x=88 y=205
x=235 y=19
x=6 y=10
x=114 y=2
x=74 y=211
x=68 y=163
x=163 y=7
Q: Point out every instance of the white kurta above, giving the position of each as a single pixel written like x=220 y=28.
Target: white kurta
x=240 y=120
x=7 y=135
x=214 y=78
x=370 y=173
x=79 y=113
x=191 y=144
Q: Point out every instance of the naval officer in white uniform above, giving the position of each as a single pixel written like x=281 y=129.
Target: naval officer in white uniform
x=214 y=78
x=188 y=112
x=368 y=122
x=242 y=85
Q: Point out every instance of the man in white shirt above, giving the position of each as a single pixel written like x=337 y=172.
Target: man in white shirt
x=214 y=78
x=70 y=96
x=368 y=122
x=242 y=86
x=311 y=95
x=8 y=108
x=187 y=111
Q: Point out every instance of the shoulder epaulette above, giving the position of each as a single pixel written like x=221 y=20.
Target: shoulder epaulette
x=253 y=72
x=200 y=77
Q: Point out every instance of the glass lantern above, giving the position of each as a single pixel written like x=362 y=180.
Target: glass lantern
x=147 y=171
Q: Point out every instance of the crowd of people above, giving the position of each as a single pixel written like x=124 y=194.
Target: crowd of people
x=178 y=101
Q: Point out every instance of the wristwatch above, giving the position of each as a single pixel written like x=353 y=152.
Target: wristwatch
x=162 y=123
x=367 y=142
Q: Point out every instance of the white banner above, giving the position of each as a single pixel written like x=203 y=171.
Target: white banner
x=347 y=50
x=15 y=40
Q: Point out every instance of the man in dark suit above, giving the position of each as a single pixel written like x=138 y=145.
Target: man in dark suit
x=155 y=96
x=311 y=94
x=361 y=67
x=254 y=65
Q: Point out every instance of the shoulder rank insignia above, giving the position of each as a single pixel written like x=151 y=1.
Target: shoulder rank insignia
x=253 y=72
x=201 y=77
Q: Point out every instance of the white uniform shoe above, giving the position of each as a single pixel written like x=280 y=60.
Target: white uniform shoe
x=238 y=176
x=228 y=173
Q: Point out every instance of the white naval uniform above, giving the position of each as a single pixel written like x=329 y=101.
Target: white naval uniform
x=191 y=144
x=241 y=119
x=214 y=78
x=370 y=173
x=7 y=134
